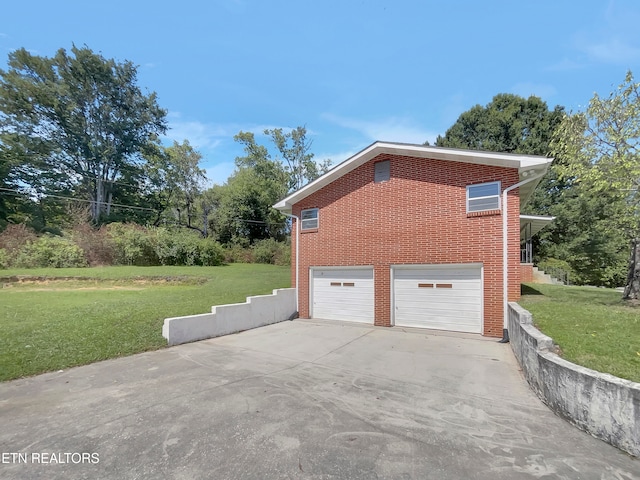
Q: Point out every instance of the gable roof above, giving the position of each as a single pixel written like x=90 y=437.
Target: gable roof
x=526 y=165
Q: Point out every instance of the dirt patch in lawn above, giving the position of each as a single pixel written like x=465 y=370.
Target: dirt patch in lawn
x=35 y=283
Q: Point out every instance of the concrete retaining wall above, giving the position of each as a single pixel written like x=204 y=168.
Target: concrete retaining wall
x=605 y=406
x=257 y=311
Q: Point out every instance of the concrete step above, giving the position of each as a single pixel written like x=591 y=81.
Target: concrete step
x=540 y=277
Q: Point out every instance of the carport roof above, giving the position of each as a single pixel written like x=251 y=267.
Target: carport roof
x=538 y=222
x=526 y=165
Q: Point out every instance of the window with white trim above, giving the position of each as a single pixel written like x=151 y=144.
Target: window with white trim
x=309 y=219
x=483 y=196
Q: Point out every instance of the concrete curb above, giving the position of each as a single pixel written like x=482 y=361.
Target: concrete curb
x=605 y=406
x=257 y=311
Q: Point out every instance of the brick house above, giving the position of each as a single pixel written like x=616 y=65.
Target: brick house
x=412 y=235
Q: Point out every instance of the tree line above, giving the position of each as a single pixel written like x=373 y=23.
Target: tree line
x=76 y=130
x=591 y=187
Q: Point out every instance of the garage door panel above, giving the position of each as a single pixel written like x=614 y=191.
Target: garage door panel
x=447 y=298
x=435 y=310
x=453 y=325
x=343 y=294
x=456 y=293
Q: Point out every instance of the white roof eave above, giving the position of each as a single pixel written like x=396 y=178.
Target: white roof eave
x=524 y=163
x=538 y=222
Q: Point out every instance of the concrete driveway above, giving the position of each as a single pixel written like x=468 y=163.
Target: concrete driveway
x=301 y=399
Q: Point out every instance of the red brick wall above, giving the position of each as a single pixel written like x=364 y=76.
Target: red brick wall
x=526 y=272
x=418 y=217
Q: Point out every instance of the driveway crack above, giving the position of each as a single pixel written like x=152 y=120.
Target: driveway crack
x=341 y=346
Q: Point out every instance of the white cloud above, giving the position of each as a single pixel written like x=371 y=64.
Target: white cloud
x=335 y=157
x=393 y=129
x=199 y=135
x=615 y=40
x=526 y=89
x=566 y=64
x=210 y=135
x=611 y=50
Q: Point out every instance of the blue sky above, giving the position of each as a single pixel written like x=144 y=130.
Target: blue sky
x=352 y=71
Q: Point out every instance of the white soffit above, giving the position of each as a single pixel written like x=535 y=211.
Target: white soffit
x=538 y=222
x=524 y=163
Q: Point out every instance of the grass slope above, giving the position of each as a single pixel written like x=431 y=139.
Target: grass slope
x=51 y=325
x=593 y=326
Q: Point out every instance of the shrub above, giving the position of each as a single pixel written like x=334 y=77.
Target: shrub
x=14 y=237
x=4 y=259
x=272 y=251
x=97 y=245
x=183 y=247
x=211 y=253
x=165 y=247
x=238 y=254
x=132 y=244
x=50 y=251
x=188 y=248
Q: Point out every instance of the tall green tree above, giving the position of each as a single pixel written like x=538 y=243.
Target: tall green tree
x=244 y=203
x=509 y=123
x=580 y=239
x=243 y=210
x=601 y=151
x=186 y=179
x=512 y=124
x=77 y=121
x=296 y=157
x=292 y=161
x=244 y=214
x=175 y=182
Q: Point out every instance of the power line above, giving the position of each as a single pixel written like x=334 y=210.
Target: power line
x=119 y=205
x=18 y=192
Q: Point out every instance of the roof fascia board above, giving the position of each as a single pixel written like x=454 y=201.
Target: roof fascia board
x=524 y=163
x=543 y=218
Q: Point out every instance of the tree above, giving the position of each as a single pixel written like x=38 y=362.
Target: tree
x=509 y=123
x=512 y=124
x=580 y=239
x=297 y=160
x=175 y=182
x=258 y=158
x=78 y=121
x=186 y=179
x=244 y=203
x=295 y=165
x=243 y=210
x=601 y=151
x=7 y=189
x=244 y=214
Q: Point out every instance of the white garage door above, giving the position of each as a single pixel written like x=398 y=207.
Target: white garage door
x=443 y=297
x=342 y=294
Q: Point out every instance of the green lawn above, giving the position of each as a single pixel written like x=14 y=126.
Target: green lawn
x=592 y=326
x=55 y=324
